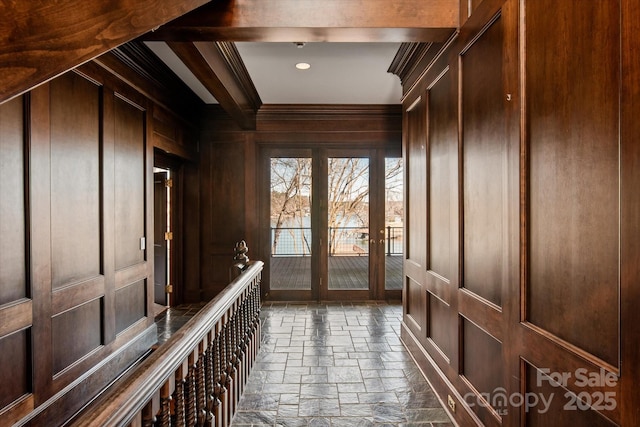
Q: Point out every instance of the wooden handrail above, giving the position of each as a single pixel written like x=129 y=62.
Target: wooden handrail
x=196 y=377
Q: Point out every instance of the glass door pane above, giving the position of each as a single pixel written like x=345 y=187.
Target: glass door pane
x=291 y=234
x=348 y=223
x=394 y=222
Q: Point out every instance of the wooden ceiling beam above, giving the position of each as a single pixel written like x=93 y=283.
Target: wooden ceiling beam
x=313 y=20
x=40 y=40
x=220 y=69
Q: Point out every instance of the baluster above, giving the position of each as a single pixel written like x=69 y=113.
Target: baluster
x=164 y=417
x=248 y=345
x=209 y=380
x=231 y=370
x=237 y=355
x=240 y=350
x=225 y=379
x=179 y=399
x=255 y=339
x=218 y=387
x=190 y=403
x=258 y=322
x=201 y=391
x=148 y=418
x=245 y=344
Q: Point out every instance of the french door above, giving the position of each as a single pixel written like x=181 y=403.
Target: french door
x=326 y=229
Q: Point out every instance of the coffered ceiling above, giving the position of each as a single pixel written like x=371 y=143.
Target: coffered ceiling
x=339 y=73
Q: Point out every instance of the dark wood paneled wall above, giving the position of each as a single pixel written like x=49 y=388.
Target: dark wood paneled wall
x=519 y=251
x=76 y=302
x=230 y=184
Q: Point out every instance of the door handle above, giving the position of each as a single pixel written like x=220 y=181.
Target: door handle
x=382 y=241
x=372 y=241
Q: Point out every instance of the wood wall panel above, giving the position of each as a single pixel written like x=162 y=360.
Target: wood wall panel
x=484 y=150
x=222 y=188
x=416 y=182
x=415 y=303
x=547 y=99
x=130 y=143
x=70 y=343
x=15 y=355
x=130 y=304
x=13 y=262
x=486 y=378
x=61 y=321
x=574 y=172
x=443 y=145
x=441 y=330
x=557 y=406
x=75 y=179
x=227 y=177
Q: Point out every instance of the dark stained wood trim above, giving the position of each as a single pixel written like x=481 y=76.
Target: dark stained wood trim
x=39 y=122
x=219 y=68
x=516 y=206
x=41 y=40
x=155 y=79
x=309 y=20
x=172 y=98
x=16 y=316
x=308 y=34
x=630 y=213
x=407 y=58
x=108 y=217
x=485 y=315
x=134 y=273
x=236 y=66
x=345 y=111
x=75 y=295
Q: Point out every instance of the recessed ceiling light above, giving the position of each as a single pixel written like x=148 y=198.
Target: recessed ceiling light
x=303 y=66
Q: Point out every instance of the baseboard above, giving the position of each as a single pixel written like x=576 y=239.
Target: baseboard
x=463 y=416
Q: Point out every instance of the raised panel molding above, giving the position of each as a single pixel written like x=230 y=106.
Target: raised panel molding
x=130 y=179
x=75 y=180
x=441 y=331
x=71 y=343
x=130 y=304
x=13 y=226
x=556 y=405
x=15 y=355
x=486 y=379
x=415 y=304
x=573 y=152
x=484 y=165
x=415 y=153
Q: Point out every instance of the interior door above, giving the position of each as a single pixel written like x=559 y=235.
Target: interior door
x=159 y=242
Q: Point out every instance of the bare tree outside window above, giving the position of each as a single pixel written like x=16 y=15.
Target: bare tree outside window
x=348 y=203
x=291 y=205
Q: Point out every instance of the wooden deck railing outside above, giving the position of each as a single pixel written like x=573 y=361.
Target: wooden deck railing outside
x=197 y=377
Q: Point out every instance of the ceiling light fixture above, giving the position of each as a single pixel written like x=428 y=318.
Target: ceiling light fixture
x=303 y=66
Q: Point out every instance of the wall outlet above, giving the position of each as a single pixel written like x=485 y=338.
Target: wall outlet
x=451 y=403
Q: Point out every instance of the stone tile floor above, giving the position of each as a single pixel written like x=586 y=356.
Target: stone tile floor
x=338 y=365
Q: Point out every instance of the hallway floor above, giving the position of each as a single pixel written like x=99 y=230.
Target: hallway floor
x=336 y=365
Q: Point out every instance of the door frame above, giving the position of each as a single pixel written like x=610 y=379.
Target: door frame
x=176 y=269
x=319 y=261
